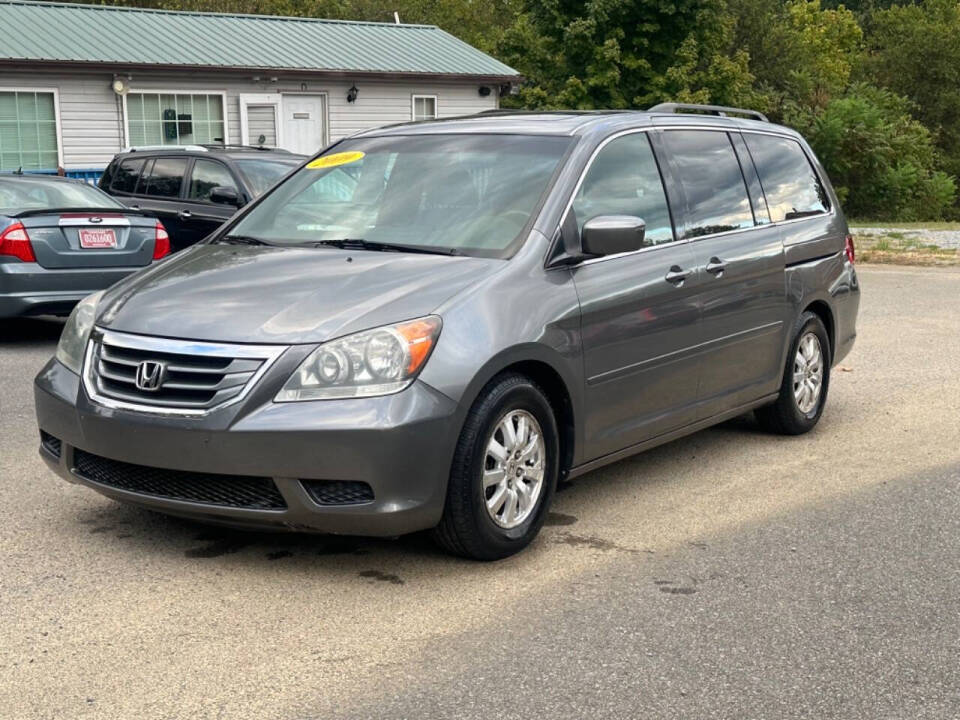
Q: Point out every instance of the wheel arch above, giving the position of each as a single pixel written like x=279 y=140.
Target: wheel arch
x=547 y=370
x=822 y=309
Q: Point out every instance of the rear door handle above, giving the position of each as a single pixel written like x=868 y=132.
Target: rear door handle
x=716 y=266
x=185 y=214
x=676 y=275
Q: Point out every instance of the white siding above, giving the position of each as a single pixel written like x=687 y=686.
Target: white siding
x=92 y=124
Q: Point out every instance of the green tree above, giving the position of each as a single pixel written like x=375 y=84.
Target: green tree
x=915 y=51
x=881 y=161
x=624 y=53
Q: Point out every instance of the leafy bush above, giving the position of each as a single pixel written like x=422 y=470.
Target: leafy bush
x=882 y=162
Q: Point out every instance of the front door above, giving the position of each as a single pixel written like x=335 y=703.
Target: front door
x=640 y=319
x=304 y=123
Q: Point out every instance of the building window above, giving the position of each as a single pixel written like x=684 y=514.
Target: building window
x=28 y=130
x=168 y=119
x=424 y=107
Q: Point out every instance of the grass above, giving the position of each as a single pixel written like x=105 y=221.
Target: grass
x=895 y=248
x=939 y=225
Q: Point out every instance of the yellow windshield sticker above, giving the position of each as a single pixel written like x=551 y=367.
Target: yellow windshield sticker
x=329 y=161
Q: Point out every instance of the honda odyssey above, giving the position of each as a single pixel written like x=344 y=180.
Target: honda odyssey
x=429 y=325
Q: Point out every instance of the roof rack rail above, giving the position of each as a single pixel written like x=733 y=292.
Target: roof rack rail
x=721 y=110
x=239 y=146
x=140 y=148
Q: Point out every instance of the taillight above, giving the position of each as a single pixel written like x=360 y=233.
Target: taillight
x=849 y=249
x=161 y=242
x=15 y=241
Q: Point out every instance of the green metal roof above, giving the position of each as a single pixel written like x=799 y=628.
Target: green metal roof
x=97 y=34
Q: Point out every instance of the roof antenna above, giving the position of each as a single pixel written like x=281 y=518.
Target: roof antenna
x=396 y=17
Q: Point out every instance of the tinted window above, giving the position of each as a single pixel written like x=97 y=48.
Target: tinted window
x=164 y=178
x=125 y=177
x=624 y=180
x=206 y=175
x=261 y=175
x=792 y=188
x=712 y=182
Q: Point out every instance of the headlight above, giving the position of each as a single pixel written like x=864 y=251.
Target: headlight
x=381 y=361
x=73 y=339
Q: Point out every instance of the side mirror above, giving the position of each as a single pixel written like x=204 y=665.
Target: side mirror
x=612 y=234
x=225 y=195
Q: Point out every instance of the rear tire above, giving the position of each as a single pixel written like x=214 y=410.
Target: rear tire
x=497 y=501
x=806 y=379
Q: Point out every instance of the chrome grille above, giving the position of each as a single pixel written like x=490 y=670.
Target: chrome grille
x=182 y=376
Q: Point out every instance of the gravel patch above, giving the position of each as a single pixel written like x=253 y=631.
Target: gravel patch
x=947 y=239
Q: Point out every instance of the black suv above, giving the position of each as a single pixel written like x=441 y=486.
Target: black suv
x=193 y=189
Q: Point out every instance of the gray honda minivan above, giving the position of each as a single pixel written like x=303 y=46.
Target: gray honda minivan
x=429 y=325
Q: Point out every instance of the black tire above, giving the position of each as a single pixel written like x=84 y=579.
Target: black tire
x=466 y=528
x=785 y=416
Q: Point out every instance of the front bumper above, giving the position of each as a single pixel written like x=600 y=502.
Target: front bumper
x=30 y=289
x=400 y=445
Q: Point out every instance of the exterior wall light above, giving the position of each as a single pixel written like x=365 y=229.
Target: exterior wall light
x=352 y=94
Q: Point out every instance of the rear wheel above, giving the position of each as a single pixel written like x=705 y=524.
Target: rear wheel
x=806 y=378
x=504 y=472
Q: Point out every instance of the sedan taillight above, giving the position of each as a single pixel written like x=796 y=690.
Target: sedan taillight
x=161 y=242
x=849 y=249
x=15 y=241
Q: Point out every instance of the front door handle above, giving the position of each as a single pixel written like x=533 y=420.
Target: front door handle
x=716 y=266
x=676 y=275
x=185 y=214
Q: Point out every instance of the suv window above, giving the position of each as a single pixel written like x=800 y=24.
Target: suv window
x=792 y=187
x=164 y=177
x=712 y=182
x=126 y=175
x=624 y=180
x=206 y=175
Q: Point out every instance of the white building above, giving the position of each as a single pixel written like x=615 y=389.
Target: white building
x=78 y=83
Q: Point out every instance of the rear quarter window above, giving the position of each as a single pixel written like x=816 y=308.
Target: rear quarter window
x=792 y=188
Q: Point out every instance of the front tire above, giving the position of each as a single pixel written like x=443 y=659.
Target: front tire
x=504 y=472
x=806 y=379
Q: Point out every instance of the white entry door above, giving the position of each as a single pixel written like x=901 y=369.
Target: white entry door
x=304 y=119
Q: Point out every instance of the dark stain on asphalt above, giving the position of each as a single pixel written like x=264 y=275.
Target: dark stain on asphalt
x=124 y=536
x=556 y=518
x=101 y=529
x=278 y=554
x=224 y=546
x=672 y=587
x=381 y=576
x=341 y=546
x=594 y=543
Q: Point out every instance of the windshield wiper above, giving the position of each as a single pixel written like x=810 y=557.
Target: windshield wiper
x=239 y=240
x=361 y=244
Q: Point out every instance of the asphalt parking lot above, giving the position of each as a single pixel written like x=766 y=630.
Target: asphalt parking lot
x=728 y=574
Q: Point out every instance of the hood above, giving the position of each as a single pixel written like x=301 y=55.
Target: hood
x=265 y=295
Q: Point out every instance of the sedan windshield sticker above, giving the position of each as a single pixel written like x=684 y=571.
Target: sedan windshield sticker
x=329 y=161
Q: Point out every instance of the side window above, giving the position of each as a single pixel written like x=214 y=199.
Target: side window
x=126 y=175
x=792 y=188
x=206 y=175
x=709 y=173
x=624 y=180
x=164 y=178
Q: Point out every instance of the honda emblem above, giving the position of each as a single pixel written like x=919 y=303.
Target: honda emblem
x=150 y=374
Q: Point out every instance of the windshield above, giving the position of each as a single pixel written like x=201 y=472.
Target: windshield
x=262 y=174
x=18 y=194
x=469 y=194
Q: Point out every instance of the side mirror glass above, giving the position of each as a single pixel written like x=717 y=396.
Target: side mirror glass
x=612 y=234
x=225 y=195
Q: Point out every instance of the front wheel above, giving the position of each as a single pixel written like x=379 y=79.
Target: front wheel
x=504 y=472
x=806 y=378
